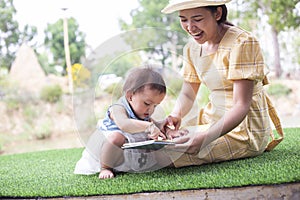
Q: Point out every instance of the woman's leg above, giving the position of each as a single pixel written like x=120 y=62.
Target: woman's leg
x=228 y=147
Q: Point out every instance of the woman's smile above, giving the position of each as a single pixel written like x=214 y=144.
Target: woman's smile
x=198 y=35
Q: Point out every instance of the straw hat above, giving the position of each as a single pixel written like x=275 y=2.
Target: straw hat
x=176 y=5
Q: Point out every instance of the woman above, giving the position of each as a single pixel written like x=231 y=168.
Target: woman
x=229 y=61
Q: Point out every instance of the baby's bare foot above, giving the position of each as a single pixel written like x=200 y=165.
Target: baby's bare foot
x=106 y=173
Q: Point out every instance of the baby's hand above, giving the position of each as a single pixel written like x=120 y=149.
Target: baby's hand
x=156 y=134
x=171 y=133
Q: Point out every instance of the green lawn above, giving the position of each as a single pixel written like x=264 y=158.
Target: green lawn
x=50 y=173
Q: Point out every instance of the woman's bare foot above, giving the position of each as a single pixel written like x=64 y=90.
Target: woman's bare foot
x=106 y=173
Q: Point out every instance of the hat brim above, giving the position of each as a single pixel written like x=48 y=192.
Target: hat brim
x=191 y=4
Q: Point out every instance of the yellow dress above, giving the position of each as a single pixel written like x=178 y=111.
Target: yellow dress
x=238 y=57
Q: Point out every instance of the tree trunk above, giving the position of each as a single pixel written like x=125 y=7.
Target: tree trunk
x=277 y=64
x=67 y=55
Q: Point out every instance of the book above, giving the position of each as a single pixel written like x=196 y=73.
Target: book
x=148 y=144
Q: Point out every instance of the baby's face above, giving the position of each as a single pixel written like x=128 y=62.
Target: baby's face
x=144 y=102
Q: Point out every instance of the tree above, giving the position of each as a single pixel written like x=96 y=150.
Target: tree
x=54 y=40
x=10 y=35
x=296 y=45
x=164 y=36
x=282 y=15
x=122 y=64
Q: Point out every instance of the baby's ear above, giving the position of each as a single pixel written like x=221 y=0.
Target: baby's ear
x=128 y=95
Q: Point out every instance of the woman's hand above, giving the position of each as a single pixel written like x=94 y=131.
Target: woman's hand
x=173 y=122
x=169 y=123
x=190 y=143
x=171 y=133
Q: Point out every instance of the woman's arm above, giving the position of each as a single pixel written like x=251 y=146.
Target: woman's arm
x=119 y=115
x=184 y=103
x=242 y=98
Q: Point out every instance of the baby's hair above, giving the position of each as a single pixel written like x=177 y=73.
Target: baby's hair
x=139 y=77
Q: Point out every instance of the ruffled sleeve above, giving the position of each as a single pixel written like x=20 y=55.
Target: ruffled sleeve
x=246 y=60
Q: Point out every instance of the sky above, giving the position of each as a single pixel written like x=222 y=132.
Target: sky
x=98 y=20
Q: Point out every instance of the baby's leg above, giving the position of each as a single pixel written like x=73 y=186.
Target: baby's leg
x=111 y=154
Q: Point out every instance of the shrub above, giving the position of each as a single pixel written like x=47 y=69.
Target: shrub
x=115 y=89
x=203 y=95
x=12 y=104
x=174 y=87
x=278 y=90
x=51 y=93
x=1 y=148
x=81 y=75
x=43 y=131
x=30 y=113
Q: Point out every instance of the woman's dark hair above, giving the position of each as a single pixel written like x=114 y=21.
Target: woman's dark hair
x=139 y=77
x=223 y=19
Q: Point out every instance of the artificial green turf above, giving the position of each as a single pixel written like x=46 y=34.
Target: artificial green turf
x=50 y=173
